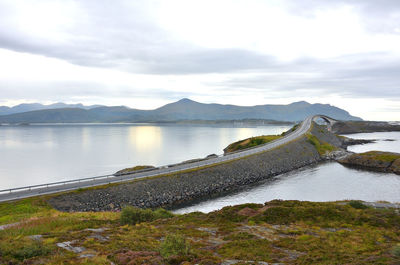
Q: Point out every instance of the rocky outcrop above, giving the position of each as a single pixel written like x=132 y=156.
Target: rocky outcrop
x=347 y=127
x=182 y=188
x=395 y=167
x=346 y=141
x=374 y=160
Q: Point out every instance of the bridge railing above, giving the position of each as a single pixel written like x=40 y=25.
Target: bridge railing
x=47 y=185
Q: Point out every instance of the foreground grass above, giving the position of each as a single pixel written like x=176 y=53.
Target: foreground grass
x=280 y=231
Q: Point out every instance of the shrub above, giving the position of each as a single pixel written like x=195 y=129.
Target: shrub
x=396 y=251
x=134 y=215
x=357 y=205
x=161 y=213
x=174 y=245
x=27 y=250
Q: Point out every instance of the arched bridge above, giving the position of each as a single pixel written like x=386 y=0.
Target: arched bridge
x=29 y=191
x=330 y=121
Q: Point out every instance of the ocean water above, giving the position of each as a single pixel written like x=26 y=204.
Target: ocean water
x=329 y=181
x=39 y=154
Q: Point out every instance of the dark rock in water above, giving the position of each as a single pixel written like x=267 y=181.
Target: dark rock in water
x=350 y=141
x=395 y=167
x=347 y=127
x=374 y=160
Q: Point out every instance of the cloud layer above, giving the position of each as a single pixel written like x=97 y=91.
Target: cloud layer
x=240 y=52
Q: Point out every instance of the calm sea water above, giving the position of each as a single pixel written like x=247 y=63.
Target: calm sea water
x=47 y=153
x=329 y=181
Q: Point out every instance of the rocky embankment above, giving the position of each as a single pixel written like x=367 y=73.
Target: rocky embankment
x=347 y=127
x=350 y=141
x=374 y=160
x=181 y=188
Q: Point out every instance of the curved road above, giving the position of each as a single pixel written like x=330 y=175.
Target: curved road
x=24 y=192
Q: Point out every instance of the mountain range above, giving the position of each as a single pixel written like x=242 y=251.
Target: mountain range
x=4 y=110
x=184 y=109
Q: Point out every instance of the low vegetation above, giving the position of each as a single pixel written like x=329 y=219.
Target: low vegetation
x=250 y=142
x=374 y=160
x=174 y=245
x=321 y=147
x=134 y=215
x=381 y=156
x=291 y=129
x=289 y=232
x=132 y=169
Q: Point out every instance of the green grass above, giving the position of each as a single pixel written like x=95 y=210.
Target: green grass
x=322 y=147
x=357 y=205
x=174 y=245
x=250 y=142
x=14 y=211
x=381 y=156
x=290 y=232
x=291 y=129
x=133 y=169
x=134 y=215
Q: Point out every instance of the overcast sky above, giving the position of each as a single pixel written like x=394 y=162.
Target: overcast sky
x=144 y=54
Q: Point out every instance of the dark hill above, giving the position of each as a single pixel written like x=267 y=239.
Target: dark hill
x=184 y=109
x=25 y=107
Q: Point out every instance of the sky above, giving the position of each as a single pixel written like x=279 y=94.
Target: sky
x=144 y=54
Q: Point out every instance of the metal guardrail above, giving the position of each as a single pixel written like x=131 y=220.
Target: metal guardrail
x=161 y=170
x=47 y=185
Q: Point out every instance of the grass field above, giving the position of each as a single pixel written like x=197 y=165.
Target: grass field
x=279 y=231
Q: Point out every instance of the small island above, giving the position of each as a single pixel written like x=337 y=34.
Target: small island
x=250 y=142
x=134 y=169
x=374 y=160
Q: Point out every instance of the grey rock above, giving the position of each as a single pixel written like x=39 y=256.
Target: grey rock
x=36 y=237
x=97 y=230
x=67 y=245
x=6 y=226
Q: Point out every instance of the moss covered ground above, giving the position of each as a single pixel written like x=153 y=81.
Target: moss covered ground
x=133 y=169
x=381 y=156
x=321 y=146
x=250 y=142
x=289 y=232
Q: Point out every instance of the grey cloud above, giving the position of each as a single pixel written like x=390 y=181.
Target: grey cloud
x=116 y=36
x=65 y=91
x=348 y=76
x=121 y=34
x=381 y=16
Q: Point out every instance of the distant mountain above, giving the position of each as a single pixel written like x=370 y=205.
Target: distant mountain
x=36 y=106
x=184 y=109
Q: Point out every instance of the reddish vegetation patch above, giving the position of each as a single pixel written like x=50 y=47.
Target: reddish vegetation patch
x=263 y=209
x=248 y=212
x=138 y=257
